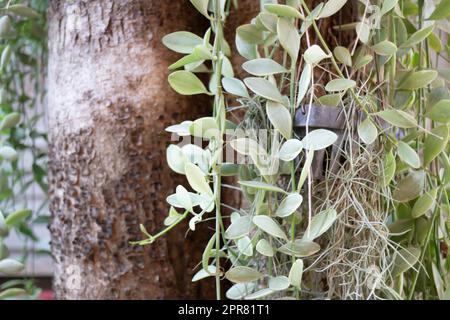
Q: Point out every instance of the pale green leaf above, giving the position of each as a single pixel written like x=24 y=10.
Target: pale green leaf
x=289 y=205
x=339 y=85
x=367 y=131
x=283 y=11
x=288 y=37
x=306 y=168
x=15 y=218
x=343 y=55
x=183 y=198
x=261 y=186
x=388 y=169
x=240 y=290
x=8 y=153
x=331 y=7
x=280 y=118
x=418 y=36
x=263 y=247
x=435 y=143
x=250 y=34
x=363 y=61
x=239 y=228
x=296 y=273
x=182 y=41
x=205 y=127
x=405 y=259
x=196 y=179
x=186 y=83
x=319 y=139
x=424 y=203
x=442 y=10
x=290 y=150
x=235 y=87
x=408 y=155
x=304 y=82
x=410 y=187
x=201 y=6
x=242 y=274
x=279 y=283
x=440 y=112
x=264 y=88
x=10 y=121
x=10 y=266
x=22 y=10
x=418 y=79
x=387 y=6
x=202 y=274
x=245 y=246
x=300 y=248
x=269 y=226
x=263 y=67
x=398 y=118
x=314 y=54
x=385 y=48
x=320 y=224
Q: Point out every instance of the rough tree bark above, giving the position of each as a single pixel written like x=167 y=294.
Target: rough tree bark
x=109 y=103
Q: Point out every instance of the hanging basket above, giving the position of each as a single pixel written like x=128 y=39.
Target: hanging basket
x=322 y=117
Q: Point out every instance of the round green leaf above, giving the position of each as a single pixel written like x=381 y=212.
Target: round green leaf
x=296 y=273
x=435 y=143
x=290 y=150
x=331 y=7
x=10 y=266
x=279 y=283
x=261 y=185
x=319 y=139
x=250 y=34
x=410 y=187
x=269 y=226
x=418 y=36
x=182 y=41
x=385 y=48
x=288 y=37
x=314 y=54
x=289 y=205
x=239 y=228
x=424 y=203
x=264 y=88
x=10 y=121
x=339 y=85
x=263 y=247
x=418 y=79
x=343 y=55
x=408 y=155
x=186 y=83
x=280 y=118
x=367 y=131
x=300 y=248
x=440 y=112
x=398 y=118
x=320 y=224
x=242 y=274
x=283 y=10
x=263 y=67
x=196 y=179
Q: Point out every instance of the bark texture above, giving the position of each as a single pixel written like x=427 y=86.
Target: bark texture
x=109 y=103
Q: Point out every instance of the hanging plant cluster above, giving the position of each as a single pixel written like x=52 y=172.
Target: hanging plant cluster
x=347 y=190
x=16 y=56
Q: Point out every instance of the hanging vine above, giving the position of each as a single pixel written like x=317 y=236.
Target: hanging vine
x=350 y=207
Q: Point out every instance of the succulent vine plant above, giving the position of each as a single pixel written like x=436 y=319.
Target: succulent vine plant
x=374 y=227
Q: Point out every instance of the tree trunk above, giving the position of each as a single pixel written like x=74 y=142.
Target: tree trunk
x=109 y=103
